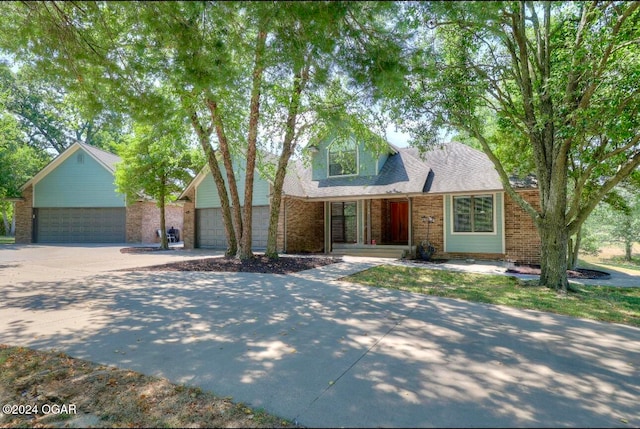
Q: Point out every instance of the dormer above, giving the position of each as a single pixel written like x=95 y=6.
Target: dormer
x=339 y=157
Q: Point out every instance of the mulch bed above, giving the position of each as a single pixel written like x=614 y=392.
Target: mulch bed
x=258 y=264
x=144 y=249
x=579 y=273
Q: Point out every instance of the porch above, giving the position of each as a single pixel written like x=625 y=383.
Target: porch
x=380 y=227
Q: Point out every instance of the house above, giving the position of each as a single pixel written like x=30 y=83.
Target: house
x=348 y=200
x=74 y=200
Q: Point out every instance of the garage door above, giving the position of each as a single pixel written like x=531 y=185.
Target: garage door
x=80 y=225
x=210 y=228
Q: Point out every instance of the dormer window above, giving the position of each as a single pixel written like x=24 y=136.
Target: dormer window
x=343 y=159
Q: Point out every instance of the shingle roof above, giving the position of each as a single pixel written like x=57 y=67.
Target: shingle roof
x=459 y=168
x=107 y=158
x=448 y=168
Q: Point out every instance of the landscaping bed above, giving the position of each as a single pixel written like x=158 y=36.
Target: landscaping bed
x=257 y=264
x=578 y=273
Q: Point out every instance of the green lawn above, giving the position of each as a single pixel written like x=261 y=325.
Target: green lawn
x=608 y=304
x=7 y=240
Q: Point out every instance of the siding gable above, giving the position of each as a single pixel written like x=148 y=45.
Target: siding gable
x=369 y=163
x=79 y=181
x=207 y=192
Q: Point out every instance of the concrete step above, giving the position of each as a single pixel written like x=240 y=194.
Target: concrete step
x=374 y=252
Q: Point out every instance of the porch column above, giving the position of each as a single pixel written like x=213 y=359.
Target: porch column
x=410 y=223
x=368 y=205
x=327 y=227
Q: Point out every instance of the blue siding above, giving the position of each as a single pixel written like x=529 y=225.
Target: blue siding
x=475 y=242
x=367 y=161
x=78 y=184
x=207 y=193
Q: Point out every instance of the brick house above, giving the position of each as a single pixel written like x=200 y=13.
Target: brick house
x=74 y=200
x=348 y=200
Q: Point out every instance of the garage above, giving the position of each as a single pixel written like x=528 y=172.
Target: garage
x=210 y=228
x=80 y=225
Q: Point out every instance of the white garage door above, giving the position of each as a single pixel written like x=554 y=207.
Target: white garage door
x=80 y=225
x=210 y=228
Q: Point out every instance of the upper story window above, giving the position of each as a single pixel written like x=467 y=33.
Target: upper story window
x=343 y=159
x=473 y=213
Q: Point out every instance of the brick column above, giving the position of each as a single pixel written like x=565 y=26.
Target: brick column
x=24 y=217
x=188 y=233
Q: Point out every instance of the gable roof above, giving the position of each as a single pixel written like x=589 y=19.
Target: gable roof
x=444 y=169
x=448 y=168
x=106 y=159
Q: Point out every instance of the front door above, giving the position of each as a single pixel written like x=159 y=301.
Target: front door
x=399 y=221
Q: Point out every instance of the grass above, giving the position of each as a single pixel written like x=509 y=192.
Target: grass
x=7 y=240
x=607 y=304
x=102 y=396
x=620 y=262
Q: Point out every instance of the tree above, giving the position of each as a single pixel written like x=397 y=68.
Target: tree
x=322 y=80
x=52 y=118
x=156 y=163
x=557 y=81
x=617 y=217
x=216 y=61
x=18 y=163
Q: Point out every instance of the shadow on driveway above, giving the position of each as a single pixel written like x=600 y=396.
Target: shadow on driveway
x=337 y=354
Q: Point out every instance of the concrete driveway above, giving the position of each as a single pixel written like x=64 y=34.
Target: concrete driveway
x=328 y=354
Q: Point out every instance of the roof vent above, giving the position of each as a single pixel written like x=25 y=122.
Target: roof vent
x=80 y=158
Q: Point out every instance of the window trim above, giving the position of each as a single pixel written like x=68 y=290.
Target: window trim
x=357 y=172
x=472 y=196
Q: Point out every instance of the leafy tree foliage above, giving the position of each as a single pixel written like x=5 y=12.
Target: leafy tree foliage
x=18 y=163
x=245 y=74
x=156 y=163
x=556 y=81
x=50 y=117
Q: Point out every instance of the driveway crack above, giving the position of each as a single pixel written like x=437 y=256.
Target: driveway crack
x=354 y=363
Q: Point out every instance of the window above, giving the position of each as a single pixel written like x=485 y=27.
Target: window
x=343 y=222
x=473 y=213
x=343 y=159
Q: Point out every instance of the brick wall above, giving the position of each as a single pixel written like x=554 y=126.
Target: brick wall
x=430 y=205
x=188 y=233
x=24 y=217
x=143 y=220
x=134 y=222
x=304 y=226
x=376 y=220
x=522 y=240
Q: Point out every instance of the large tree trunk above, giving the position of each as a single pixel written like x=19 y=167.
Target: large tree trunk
x=228 y=166
x=574 y=250
x=300 y=79
x=164 y=244
x=203 y=137
x=628 y=248
x=254 y=119
x=554 y=238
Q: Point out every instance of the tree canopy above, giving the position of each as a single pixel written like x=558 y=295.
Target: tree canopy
x=554 y=82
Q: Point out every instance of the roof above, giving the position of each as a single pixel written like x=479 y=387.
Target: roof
x=448 y=168
x=106 y=159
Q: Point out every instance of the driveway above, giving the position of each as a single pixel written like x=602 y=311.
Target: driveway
x=328 y=354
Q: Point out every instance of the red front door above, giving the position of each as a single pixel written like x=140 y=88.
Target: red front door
x=399 y=221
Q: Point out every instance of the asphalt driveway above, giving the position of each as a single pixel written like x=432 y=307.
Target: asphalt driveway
x=326 y=353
